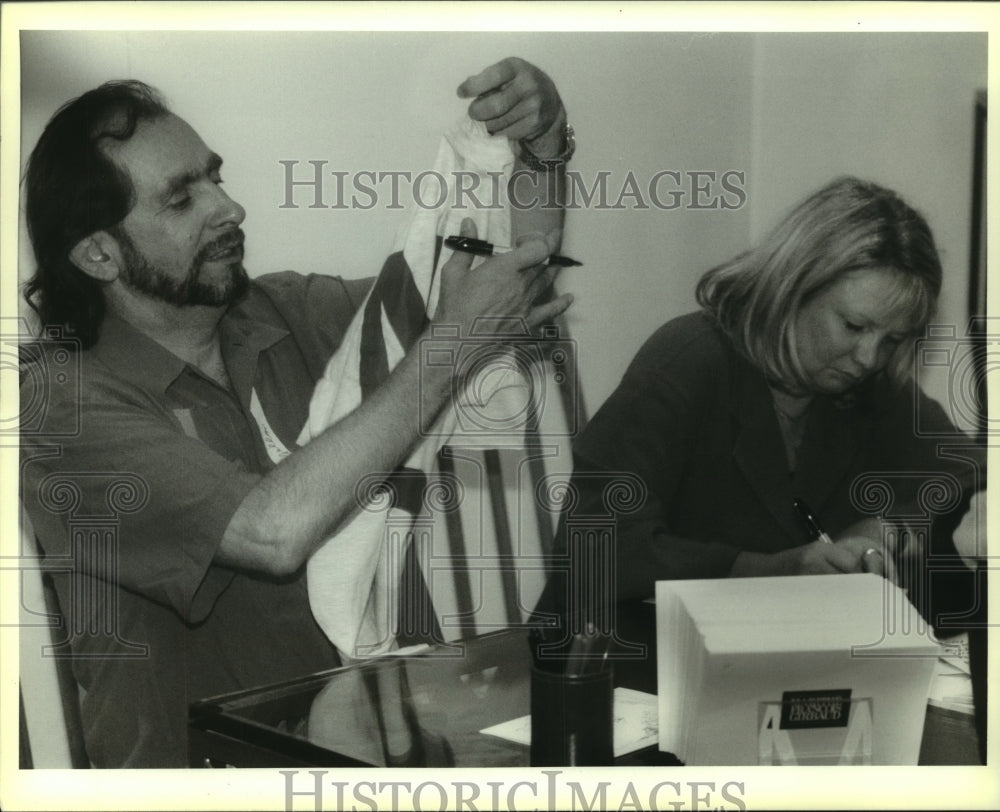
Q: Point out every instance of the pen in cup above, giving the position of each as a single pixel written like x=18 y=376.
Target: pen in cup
x=588 y=653
x=482 y=248
x=809 y=519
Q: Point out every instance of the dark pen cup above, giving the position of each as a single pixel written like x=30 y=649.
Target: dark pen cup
x=572 y=718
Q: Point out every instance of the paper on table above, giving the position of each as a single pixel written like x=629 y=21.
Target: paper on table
x=956 y=652
x=635 y=723
x=952 y=684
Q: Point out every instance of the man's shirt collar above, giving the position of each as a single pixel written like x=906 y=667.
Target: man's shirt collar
x=130 y=353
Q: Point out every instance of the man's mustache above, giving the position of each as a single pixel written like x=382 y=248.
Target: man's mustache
x=219 y=244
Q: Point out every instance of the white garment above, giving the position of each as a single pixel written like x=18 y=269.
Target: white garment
x=354 y=576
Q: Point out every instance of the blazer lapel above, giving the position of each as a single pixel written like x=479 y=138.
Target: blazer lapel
x=759 y=450
x=834 y=437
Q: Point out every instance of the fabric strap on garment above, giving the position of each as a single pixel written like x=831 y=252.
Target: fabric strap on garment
x=355 y=577
x=276 y=450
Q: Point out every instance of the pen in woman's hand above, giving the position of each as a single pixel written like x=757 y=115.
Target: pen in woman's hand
x=809 y=519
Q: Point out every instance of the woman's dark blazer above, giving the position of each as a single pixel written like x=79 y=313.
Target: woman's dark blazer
x=692 y=424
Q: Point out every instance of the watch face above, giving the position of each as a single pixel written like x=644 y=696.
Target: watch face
x=570 y=143
x=545 y=164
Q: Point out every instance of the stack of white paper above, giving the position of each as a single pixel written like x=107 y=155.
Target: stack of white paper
x=813 y=645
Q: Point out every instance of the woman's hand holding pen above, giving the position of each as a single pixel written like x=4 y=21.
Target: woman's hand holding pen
x=858 y=549
x=846 y=554
x=849 y=553
x=815 y=558
x=865 y=541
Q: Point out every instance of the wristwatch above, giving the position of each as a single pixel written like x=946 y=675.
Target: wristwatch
x=532 y=161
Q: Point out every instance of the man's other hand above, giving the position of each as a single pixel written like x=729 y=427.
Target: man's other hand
x=516 y=99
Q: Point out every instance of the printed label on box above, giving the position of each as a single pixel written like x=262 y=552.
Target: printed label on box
x=810 y=709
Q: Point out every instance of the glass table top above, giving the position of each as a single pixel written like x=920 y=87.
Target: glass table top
x=427 y=709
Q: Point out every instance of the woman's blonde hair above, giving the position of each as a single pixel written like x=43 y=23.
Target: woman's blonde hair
x=846 y=226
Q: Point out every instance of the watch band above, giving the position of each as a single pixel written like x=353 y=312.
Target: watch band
x=537 y=164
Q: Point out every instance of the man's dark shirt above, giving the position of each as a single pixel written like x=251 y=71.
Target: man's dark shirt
x=140 y=497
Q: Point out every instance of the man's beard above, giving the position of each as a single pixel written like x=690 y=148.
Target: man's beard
x=142 y=276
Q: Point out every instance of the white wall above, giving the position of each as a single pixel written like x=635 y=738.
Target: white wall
x=789 y=110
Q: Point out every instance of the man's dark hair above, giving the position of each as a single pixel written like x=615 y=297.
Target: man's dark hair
x=74 y=189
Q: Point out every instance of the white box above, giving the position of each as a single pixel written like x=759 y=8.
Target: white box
x=725 y=646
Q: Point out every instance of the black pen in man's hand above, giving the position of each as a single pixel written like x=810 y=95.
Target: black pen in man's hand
x=481 y=248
